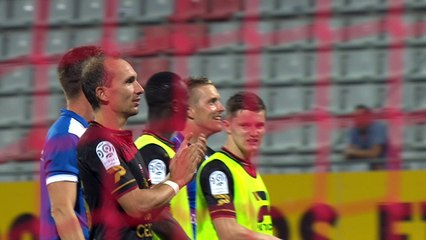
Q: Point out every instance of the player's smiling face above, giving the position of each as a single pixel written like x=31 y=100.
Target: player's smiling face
x=206 y=109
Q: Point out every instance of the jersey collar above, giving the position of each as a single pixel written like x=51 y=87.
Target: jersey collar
x=163 y=140
x=246 y=164
x=80 y=119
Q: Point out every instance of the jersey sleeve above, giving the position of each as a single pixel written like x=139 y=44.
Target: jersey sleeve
x=115 y=174
x=157 y=161
x=60 y=159
x=217 y=186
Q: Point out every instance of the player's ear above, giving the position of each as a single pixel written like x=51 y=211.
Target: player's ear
x=190 y=112
x=101 y=94
x=227 y=125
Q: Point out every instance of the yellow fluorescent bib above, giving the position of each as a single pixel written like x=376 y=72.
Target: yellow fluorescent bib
x=179 y=205
x=251 y=201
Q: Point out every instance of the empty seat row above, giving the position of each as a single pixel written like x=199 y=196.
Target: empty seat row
x=87 y=11
x=28 y=79
x=282 y=100
x=285 y=34
x=23 y=110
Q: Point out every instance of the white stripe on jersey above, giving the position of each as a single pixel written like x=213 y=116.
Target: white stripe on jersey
x=61 y=178
x=76 y=128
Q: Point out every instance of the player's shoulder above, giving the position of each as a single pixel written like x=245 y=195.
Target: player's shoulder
x=96 y=137
x=214 y=165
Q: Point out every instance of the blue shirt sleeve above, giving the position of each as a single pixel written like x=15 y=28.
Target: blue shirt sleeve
x=60 y=155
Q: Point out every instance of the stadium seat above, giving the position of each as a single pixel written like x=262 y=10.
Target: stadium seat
x=142 y=115
x=18 y=43
x=224 y=36
x=351 y=167
x=12 y=148
x=416 y=58
x=151 y=65
x=46 y=108
x=308 y=97
x=413 y=159
x=185 y=10
x=84 y=36
x=129 y=10
x=359 y=64
x=57 y=41
x=251 y=69
x=220 y=68
x=415 y=4
x=256 y=8
x=285 y=67
x=315 y=70
x=338 y=138
x=291 y=7
x=282 y=101
x=158 y=11
x=127 y=38
x=3 y=12
x=222 y=9
x=355 y=5
x=284 y=160
x=345 y=97
x=155 y=39
x=415 y=28
x=14 y=110
x=309 y=132
x=292 y=32
x=2 y=48
x=256 y=34
x=225 y=93
x=363 y=29
x=414 y=96
x=9 y=138
x=189 y=66
x=61 y=11
x=217 y=140
x=282 y=138
x=90 y=11
x=188 y=38
x=23 y=12
x=413 y=133
x=51 y=83
x=17 y=80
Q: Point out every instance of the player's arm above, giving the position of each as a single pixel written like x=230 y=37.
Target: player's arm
x=61 y=171
x=373 y=152
x=62 y=198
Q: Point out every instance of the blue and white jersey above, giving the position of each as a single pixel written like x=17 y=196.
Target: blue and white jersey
x=58 y=163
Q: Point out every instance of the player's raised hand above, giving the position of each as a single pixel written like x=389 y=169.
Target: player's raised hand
x=184 y=164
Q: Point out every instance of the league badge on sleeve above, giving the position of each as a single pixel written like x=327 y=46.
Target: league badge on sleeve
x=218 y=183
x=157 y=171
x=107 y=154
